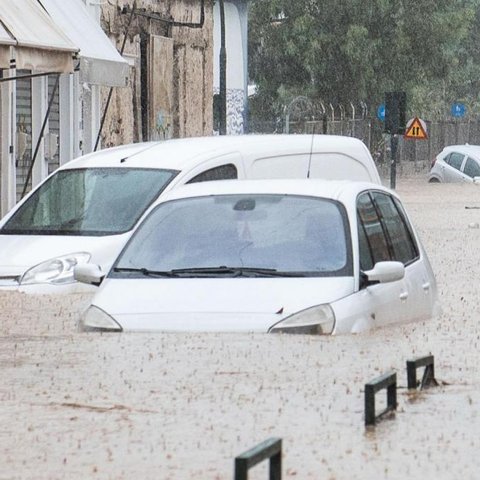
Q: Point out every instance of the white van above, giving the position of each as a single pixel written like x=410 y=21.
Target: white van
x=87 y=209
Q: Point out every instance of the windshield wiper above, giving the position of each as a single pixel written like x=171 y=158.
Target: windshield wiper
x=210 y=272
x=146 y=272
x=236 y=272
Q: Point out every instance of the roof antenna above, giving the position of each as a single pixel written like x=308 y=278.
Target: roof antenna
x=311 y=149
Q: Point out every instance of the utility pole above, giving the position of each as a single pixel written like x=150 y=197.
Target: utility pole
x=395 y=110
x=223 y=72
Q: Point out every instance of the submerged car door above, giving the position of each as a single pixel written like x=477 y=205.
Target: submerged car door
x=387 y=301
x=419 y=278
x=416 y=286
x=471 y=169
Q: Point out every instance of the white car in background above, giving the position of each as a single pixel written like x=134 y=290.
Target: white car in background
x=299 y=256
x=87 y=209
x=456 y=163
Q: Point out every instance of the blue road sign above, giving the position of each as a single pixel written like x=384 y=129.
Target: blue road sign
x=458 y=110
x=381 y=112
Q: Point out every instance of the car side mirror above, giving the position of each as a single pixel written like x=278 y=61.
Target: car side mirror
x=385 y=272
x=88 y=273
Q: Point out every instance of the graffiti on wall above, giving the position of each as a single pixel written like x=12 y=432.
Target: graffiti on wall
x=235 y=111
x=163 y=126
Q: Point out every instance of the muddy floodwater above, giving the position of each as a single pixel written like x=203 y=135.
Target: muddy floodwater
x=182 y=406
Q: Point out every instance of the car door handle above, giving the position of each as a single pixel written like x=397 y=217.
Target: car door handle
x=403 y=295
x=426 y=286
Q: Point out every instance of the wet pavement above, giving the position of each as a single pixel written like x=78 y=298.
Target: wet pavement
x=182 y=406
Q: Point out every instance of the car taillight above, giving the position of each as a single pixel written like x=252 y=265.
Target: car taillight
x=433 y=162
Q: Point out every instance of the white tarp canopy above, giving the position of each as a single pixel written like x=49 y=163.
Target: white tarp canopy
x=100 y=62
x=39 y=44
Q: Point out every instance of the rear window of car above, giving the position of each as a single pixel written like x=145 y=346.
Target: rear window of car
x=455 y=159
x=93 y=201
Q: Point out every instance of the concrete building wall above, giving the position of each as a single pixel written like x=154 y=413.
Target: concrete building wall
x=171 y=76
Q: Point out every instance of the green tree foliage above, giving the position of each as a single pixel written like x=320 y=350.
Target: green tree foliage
x=352 y=51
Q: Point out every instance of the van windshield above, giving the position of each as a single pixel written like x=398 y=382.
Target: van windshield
x=93 y=201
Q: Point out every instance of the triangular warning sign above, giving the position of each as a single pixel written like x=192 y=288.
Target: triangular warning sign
x=416 y=130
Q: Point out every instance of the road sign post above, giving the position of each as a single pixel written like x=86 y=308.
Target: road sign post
x=393 y=162
x=395 y=111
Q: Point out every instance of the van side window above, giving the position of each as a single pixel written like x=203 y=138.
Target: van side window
x=223 y=172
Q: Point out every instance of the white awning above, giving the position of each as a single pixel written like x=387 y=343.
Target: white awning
x=40 y=45
x=100 y=62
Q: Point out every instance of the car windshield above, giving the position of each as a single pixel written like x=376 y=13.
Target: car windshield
x=93 y=201
x=240 y=235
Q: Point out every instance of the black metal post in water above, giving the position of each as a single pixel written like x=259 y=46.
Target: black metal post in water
x=428 y=374
x=270 y=449
x=387 y=381
x=393 y=164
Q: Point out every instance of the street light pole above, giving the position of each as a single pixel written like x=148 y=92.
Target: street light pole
x=223 y=72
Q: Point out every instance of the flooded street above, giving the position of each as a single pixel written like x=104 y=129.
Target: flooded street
x=182 y=406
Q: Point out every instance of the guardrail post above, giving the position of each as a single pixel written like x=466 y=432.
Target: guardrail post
x=269 y=449
x=428 y=378
x=388 y=381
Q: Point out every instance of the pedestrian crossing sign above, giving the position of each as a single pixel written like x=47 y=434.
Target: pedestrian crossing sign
x=416 y=129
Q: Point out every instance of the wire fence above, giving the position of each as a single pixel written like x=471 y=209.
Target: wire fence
x=413 y=155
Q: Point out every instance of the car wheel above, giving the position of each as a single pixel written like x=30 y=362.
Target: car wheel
x=433 y=180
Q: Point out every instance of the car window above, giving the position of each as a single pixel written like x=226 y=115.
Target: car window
x=455 y=160
x=287 y=233
x=404 y=249
x=375 y=248
x=223 y=172
x=408 y=225
x=472 y=169
x=91 y=201
x=366 y=257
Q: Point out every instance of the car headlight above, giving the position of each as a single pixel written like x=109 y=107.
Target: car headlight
x=96 y=320
x=318 y=320
x=57 y=271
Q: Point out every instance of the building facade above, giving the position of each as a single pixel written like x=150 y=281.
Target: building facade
x=168 y=45
x=61 y=65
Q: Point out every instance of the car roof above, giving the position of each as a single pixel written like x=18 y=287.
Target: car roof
x=178 y=154
x=466 y=149
x=333 y=189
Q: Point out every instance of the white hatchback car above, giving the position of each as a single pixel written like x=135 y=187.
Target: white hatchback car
x=300 y=256
x=88 y=209
x=456 y=163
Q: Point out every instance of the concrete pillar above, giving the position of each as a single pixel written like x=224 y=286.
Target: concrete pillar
x=39 y=109
x=7 y=146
